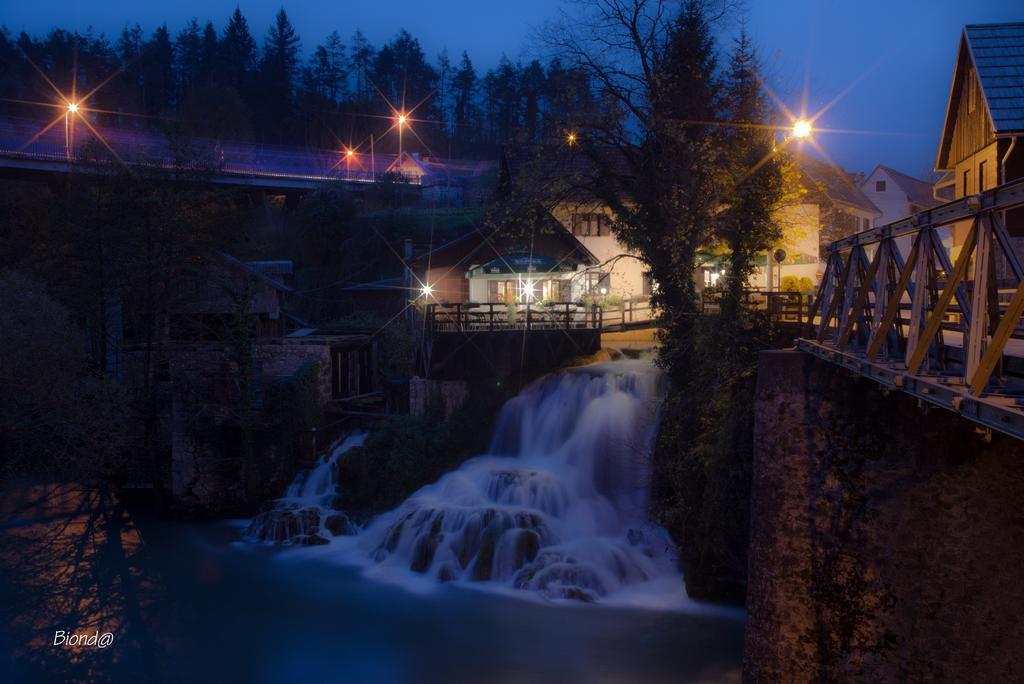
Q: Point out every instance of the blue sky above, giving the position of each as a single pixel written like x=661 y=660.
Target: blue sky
x=900 y=53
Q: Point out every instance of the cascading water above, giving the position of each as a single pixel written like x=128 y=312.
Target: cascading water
x=558 y=507
x=308 y=505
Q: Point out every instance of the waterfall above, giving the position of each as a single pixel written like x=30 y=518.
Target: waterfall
x=305 y=514
x=557 y=507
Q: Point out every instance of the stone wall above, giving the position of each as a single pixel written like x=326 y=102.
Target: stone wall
x=200 y=412
x=443 y=396
x=887 y=540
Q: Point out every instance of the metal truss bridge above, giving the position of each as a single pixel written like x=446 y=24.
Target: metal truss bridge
x=942 y=324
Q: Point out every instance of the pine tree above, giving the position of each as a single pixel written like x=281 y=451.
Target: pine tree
x=158 y=72
x=753 y=173
x=444 y=79
x=236 y=54
x=465 y=115
x=188 y=57
x=276 y=88
x=362 y=61
x=532 y=85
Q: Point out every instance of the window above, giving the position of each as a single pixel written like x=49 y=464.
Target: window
x=598 y=283
x=865 y=224
x=591 y=225
x=972 y=93
x=648 y=287
x=879 y=186
x=528 y=291
x=967 y=183
x=981 y=177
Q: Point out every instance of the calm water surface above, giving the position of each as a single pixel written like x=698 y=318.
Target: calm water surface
x=187 y=601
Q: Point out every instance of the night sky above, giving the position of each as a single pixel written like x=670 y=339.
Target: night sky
x=903 y=52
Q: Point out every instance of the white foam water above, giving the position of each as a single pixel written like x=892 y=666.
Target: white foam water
x=557 y=508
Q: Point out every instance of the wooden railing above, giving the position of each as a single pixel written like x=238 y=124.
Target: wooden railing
x=781 y=306
x=490 y=317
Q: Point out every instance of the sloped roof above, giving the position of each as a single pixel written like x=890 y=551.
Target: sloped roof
x=484 y=237
x=836 y=184
x=918 y=192
x=997 y=54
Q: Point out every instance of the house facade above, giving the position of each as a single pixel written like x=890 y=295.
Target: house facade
x=829 y=205
x=532 y=259
x=897 y=195
x=980 y=145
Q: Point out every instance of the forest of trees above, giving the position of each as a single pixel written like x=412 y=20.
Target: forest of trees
x=225 y=82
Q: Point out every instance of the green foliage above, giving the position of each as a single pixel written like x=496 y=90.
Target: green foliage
x=406 y=452
x=793 y=284
x=703 y=460
x=58 y=417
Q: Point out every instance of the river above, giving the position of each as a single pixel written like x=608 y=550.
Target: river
x=458 y=584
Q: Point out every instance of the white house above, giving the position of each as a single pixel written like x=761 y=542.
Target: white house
x=896 y=194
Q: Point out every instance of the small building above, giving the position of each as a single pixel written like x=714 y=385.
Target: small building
x=830 y=206
x=239 y=387
x=980 y=145
x=618 y=272
x=452 y=183
x=532 y=258
x=896 y=194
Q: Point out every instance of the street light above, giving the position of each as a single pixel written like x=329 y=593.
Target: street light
x=571 y=139
x=401 y=119
x=349 y=153
x=426 y=290
x=72 y=109
x=801 y=129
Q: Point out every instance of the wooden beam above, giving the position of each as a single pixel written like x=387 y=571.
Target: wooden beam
x=862 y=295
x=1007 y=246
x=988 y=362
x=935 y=319
x=837 y=294
x=822 y=290
x=961 y=293
x=918 y=294
x=974 y=341
x=892 y=306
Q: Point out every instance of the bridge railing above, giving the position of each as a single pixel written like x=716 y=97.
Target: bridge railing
x=781 y=306
x=941 y=322
x=21 y=139
x=490 y=317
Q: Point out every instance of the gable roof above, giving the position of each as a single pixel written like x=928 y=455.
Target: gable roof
x=482 y=238
x=837 y=185
x=997 y=53
x=918 y=192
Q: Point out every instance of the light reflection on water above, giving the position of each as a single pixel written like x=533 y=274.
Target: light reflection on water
x=183 y=601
